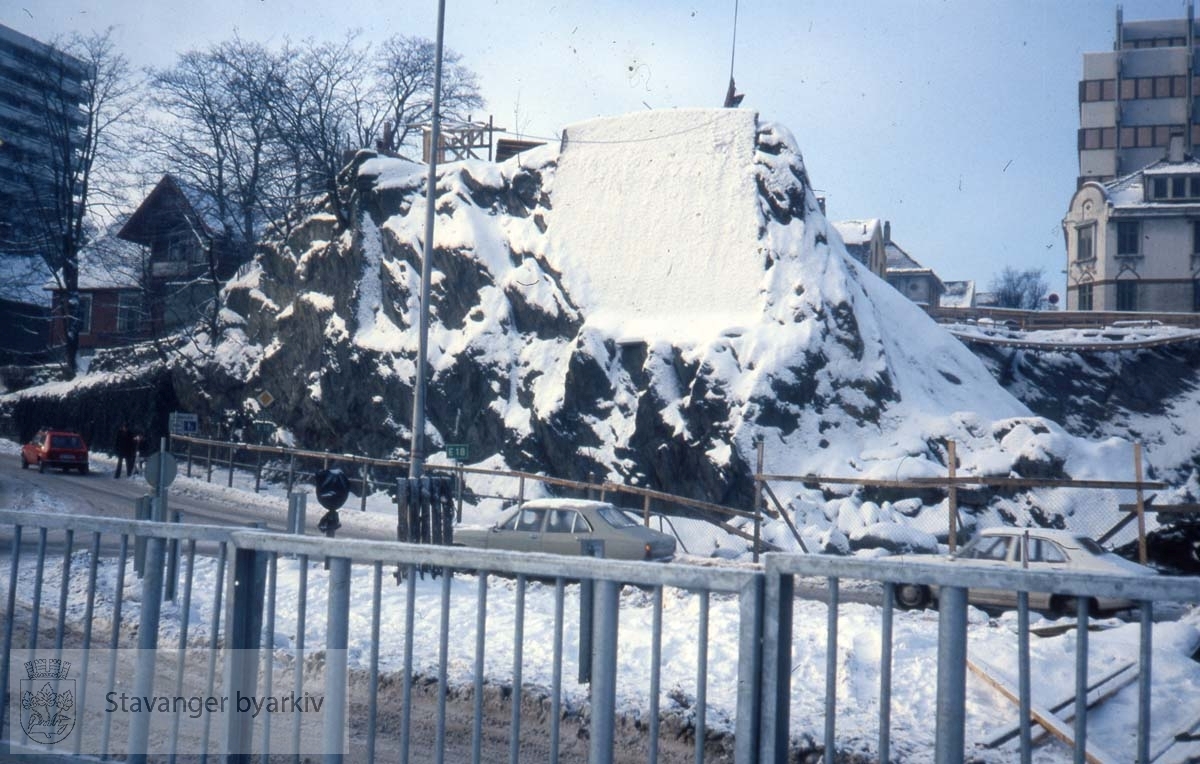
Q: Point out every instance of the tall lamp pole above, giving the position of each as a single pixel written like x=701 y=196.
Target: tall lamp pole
x=417 y=450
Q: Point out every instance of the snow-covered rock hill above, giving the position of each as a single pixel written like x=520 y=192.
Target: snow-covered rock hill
x=642 y=303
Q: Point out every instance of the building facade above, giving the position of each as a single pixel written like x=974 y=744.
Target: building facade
x=158 y=270
x=40 y=89
x=1134 y=98
x=910 y=278
x=1133 y=244
x=864 y=240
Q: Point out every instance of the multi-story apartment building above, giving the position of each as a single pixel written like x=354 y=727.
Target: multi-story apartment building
x=39 y=85
x=1133 y=227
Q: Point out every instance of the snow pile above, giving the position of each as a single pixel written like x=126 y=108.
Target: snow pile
x=655 y=220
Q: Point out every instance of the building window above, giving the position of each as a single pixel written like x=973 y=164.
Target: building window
x=1085 y=247
x=1128 y=238
x=1196 y=237
x=129 y=313
x=1179 y=187
x=1097 y=90
x=1097 y=138
x=85 y=313
x=1145 y=136
x=1158 y=188
x=1084 y=297
x=1196 y=296
x=1127 y=294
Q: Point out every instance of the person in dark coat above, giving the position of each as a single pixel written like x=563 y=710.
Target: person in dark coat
x=126 y=451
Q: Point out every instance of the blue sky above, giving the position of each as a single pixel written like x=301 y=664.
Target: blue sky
x=953 y=119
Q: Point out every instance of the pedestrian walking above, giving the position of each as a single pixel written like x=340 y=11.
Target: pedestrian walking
x=126 y=451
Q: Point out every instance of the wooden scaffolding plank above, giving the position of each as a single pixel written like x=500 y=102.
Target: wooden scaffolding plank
x=1041 y=714
x=1097 y=692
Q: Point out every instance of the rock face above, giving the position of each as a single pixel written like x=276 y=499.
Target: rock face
x=645 y=302
x=1147 y=395
x=641 y=303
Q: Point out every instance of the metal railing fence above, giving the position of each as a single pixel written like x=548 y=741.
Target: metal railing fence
x=274 y=612
x=249 y=568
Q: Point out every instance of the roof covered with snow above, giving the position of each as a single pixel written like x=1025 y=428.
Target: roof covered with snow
x=899 y=261
x=857 y=231
x=23 y=279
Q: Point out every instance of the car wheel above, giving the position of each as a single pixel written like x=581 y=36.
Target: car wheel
x=41 y=466
x=24 y=463
x=912 y=596
x=83 y=469
x=1067 y=606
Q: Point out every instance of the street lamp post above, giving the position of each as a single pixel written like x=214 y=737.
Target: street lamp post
x=417 y=450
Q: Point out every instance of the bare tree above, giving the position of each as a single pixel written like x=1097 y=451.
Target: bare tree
x=261 y=129
x=404 y=69
x=84 y=96
x=312 y=108
x=219 y=137
x=1020 y=289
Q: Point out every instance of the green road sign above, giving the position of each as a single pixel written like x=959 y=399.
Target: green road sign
x=457 y=451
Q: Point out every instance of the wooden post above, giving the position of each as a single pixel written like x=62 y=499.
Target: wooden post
x=257 y=470
x=229 y=482
x=952 y=494
x=520 y=490
x=363 y=504
x=1141 y=504
x=758 y=495
x=646 y=510
x=459 y=489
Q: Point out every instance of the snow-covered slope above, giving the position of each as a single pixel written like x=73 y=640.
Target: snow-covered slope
x=642 y=302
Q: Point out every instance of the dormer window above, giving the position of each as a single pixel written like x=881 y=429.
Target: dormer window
x=1173 y=188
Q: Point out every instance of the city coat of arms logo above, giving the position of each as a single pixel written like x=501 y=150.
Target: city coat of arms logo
x=47 y=701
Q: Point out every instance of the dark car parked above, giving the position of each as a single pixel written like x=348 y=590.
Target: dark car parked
x=56 y=448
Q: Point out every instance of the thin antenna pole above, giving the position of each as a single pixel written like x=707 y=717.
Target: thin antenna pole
x=417 y=456
x=733 y=46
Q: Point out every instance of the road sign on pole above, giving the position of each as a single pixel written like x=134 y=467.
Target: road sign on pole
x=457 y=451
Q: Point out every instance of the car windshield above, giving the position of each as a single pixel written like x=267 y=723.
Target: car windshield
x=615 y=517
x=65 y=441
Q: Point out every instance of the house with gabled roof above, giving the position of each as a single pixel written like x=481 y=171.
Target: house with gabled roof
x=864 y=240
x=153 y=272
x=909 y=277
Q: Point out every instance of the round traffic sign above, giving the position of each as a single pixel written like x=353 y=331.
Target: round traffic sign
x=169 y=469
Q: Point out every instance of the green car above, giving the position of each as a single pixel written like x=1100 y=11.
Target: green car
x=566 y=526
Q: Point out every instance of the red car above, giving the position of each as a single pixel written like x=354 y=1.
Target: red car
x=56 y=448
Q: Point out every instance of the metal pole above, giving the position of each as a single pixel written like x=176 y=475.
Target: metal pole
x=604 y=673
x=417 y=455
x=336 y=643
x=152 y=589
x=951 y=675
x=1144 y=676
x=831 y=637
x=1081 y=679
